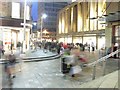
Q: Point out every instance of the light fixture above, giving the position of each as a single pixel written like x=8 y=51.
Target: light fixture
x=93 y=18
x=34 y=23
x=105 y=15
x=44 y=16
x=111 y=13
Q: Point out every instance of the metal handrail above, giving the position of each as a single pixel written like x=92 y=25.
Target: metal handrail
x=103 y=59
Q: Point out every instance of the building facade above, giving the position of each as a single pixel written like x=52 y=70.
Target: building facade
x=87 y=22
x=11 y=29
x=51 y=10
x=112 y=30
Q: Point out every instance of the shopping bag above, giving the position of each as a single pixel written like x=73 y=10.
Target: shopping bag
x=76 y=69
x=83 y=60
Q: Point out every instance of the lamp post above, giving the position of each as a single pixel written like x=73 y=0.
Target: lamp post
x=25 y=9
x=34 y=24
x=42 y=17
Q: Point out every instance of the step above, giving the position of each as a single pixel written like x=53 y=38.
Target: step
x=107 y=81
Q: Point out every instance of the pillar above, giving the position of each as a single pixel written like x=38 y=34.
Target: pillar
x=108 y=37
x=71 y=19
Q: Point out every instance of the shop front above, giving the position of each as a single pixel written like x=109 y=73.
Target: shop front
x=65 y=39
x=77 y=39
x=97 y=40
x=12 y=33
x=117 y=35
x=12 y=36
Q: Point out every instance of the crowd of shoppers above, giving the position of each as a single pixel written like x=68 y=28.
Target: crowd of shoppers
x=60 y=46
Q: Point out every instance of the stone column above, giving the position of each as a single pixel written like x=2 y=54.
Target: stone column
x=66 y=22
x=63 y=22
x=69 y=20
x=72 y=19
x=75 y=18
x=108 y=36
x=79 y=16
x=60 y=24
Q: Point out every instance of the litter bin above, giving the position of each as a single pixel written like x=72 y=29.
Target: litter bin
x=65 y=68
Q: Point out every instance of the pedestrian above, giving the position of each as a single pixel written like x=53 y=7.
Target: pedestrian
x=58 y=48
x=89 y=47
x=45 y=47
x=93 y=46
x=0 y=51
x=10 y=66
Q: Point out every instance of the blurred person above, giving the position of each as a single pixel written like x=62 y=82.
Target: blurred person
x=0 y=51
x=17 y=54
x=10 y=66
x=45 y=47
x=75 y=51
x=89 y=47
x=6 y=54
x=93 y=47
x=58 y=48
x=75 y=68
x=21 y=57
x=61 y=49
x=77 y=45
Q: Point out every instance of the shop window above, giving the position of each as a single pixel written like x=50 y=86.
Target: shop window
x=117 y=31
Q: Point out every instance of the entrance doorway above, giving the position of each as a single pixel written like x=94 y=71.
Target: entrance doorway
x=117 y=40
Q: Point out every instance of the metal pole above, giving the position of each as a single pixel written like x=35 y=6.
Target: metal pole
x=11 y=43
x=104 y=66
x=41 y=31
x=94 y=72
x=24 y=44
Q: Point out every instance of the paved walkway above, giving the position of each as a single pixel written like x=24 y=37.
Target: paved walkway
x=47 y=74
